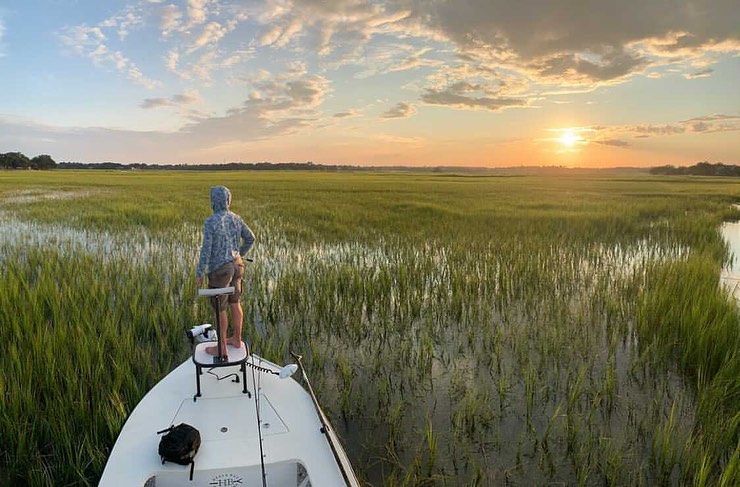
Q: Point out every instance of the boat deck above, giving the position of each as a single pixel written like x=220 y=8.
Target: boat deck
x=296 y=453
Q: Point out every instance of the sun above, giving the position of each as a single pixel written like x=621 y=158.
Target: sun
x=569 y=138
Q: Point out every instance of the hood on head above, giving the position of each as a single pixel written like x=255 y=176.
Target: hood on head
x=220 y=198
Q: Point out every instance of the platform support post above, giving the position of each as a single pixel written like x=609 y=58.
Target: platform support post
x=244 y=379
x=221 y=339
x=197 y=380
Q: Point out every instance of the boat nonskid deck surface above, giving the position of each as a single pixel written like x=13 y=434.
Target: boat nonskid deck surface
x=296 y=452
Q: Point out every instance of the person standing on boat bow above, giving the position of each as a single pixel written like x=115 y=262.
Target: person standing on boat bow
x=226 y=239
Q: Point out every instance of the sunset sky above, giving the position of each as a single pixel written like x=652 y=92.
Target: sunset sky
x=425 y=83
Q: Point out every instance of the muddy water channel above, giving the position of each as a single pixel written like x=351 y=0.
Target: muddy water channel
x=438 y=364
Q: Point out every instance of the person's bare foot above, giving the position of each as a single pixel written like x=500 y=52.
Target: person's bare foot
x=214 y=351
x=234 y=342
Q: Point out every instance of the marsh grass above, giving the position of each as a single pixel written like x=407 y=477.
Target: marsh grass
x=459 y=330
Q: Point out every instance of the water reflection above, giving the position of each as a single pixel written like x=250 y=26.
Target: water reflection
x=730 y=276
x=136 y=246
x=26 y=196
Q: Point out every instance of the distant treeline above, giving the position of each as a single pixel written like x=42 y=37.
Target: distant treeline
x=18 y=160
x=265 y=166
x=311 y=166
x=228 y=166
x=699 y=169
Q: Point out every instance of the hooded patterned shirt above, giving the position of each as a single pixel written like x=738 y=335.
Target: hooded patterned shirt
x=225 y=235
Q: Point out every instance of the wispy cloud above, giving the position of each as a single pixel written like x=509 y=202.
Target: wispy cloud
x=613 y=142
x=455 y=100
x=326 y=25
x=191 y=31
x=185 y=98
x=394 y=57
x=651 y=130
x=571 y=68
x=170 y=18
x=619 y=135
x=286 y=92
x=197 y=12
x=703 y=73
x=211 y=34
x=123 y=22
x=704 y=124
x=465 y=95
x=401 y=110
x=345 y=114
x=90 y=42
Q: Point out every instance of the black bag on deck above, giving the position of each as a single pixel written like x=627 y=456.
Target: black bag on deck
x=180 y=445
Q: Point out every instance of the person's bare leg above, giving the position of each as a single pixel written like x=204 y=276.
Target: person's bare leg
x=236 y=324
x=223 y=326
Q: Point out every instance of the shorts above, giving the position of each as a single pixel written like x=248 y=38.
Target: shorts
x=229 y=274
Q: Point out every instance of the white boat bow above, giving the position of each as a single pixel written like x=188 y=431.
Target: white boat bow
x=299 y=446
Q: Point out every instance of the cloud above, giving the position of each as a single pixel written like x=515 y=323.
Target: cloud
x=415 y=61
x=170 y=19
x=280 y=103
x=577 y=68
x=280 y=94
x=704 y=73
x=202 y=66
x=90 y=42
x=600 y=42
x=185 y=98
x=613 y=142
x=326 y=25
x=466 y=95
x=713 y=123
x=197 y=12
x=126 y=22
x=173 y=57
x=192 y=31
x=622 y=136
x=679 y=44
x=211 y=34
x=473 y=84
x=650 y=130
x=711 y=118
x=401 y=110
x=195 y=51
x=454 y=100
x=156 y=103
x=705 y=124
x=84 y=40
x=345 y=114
x=393 y=57
x=615 y=135
x=280 y=35
x=129 y=18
